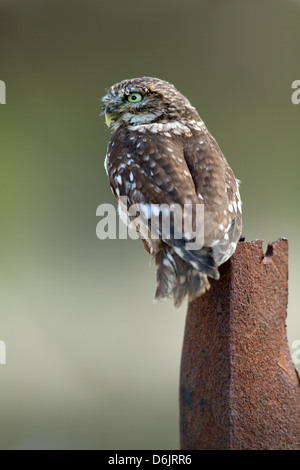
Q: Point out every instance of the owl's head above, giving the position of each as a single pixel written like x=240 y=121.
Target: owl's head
x=145 y=100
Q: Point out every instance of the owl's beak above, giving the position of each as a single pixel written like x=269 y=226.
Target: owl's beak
x=108 y=119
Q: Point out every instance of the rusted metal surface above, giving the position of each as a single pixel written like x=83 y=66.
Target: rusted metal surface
x=238 y=387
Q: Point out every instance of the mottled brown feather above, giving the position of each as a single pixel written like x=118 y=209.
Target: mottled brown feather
x=162 y=153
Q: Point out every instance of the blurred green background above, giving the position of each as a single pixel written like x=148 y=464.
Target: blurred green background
x=92 y=362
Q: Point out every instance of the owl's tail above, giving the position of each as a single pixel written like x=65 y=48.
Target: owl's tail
x=178 y=278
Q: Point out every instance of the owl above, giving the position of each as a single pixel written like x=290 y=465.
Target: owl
x=160 y=157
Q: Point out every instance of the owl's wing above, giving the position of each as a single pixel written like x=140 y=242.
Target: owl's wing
x=216 y=186
x=150 y=169
x=148 y=164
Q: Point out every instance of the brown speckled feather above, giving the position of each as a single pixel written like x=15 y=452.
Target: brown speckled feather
x=162 y=153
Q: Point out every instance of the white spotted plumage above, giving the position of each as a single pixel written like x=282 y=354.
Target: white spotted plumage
x=162 y=153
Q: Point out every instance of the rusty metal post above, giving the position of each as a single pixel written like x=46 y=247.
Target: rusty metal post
x=238 y=386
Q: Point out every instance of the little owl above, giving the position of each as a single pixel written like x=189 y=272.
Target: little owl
x=162 y=156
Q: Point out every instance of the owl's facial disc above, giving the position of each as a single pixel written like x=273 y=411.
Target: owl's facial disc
x=130 y=106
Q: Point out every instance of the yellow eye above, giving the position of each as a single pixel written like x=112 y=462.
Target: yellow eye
x=134 y=97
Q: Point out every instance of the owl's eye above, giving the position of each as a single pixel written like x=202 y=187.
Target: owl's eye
x=134 y=97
